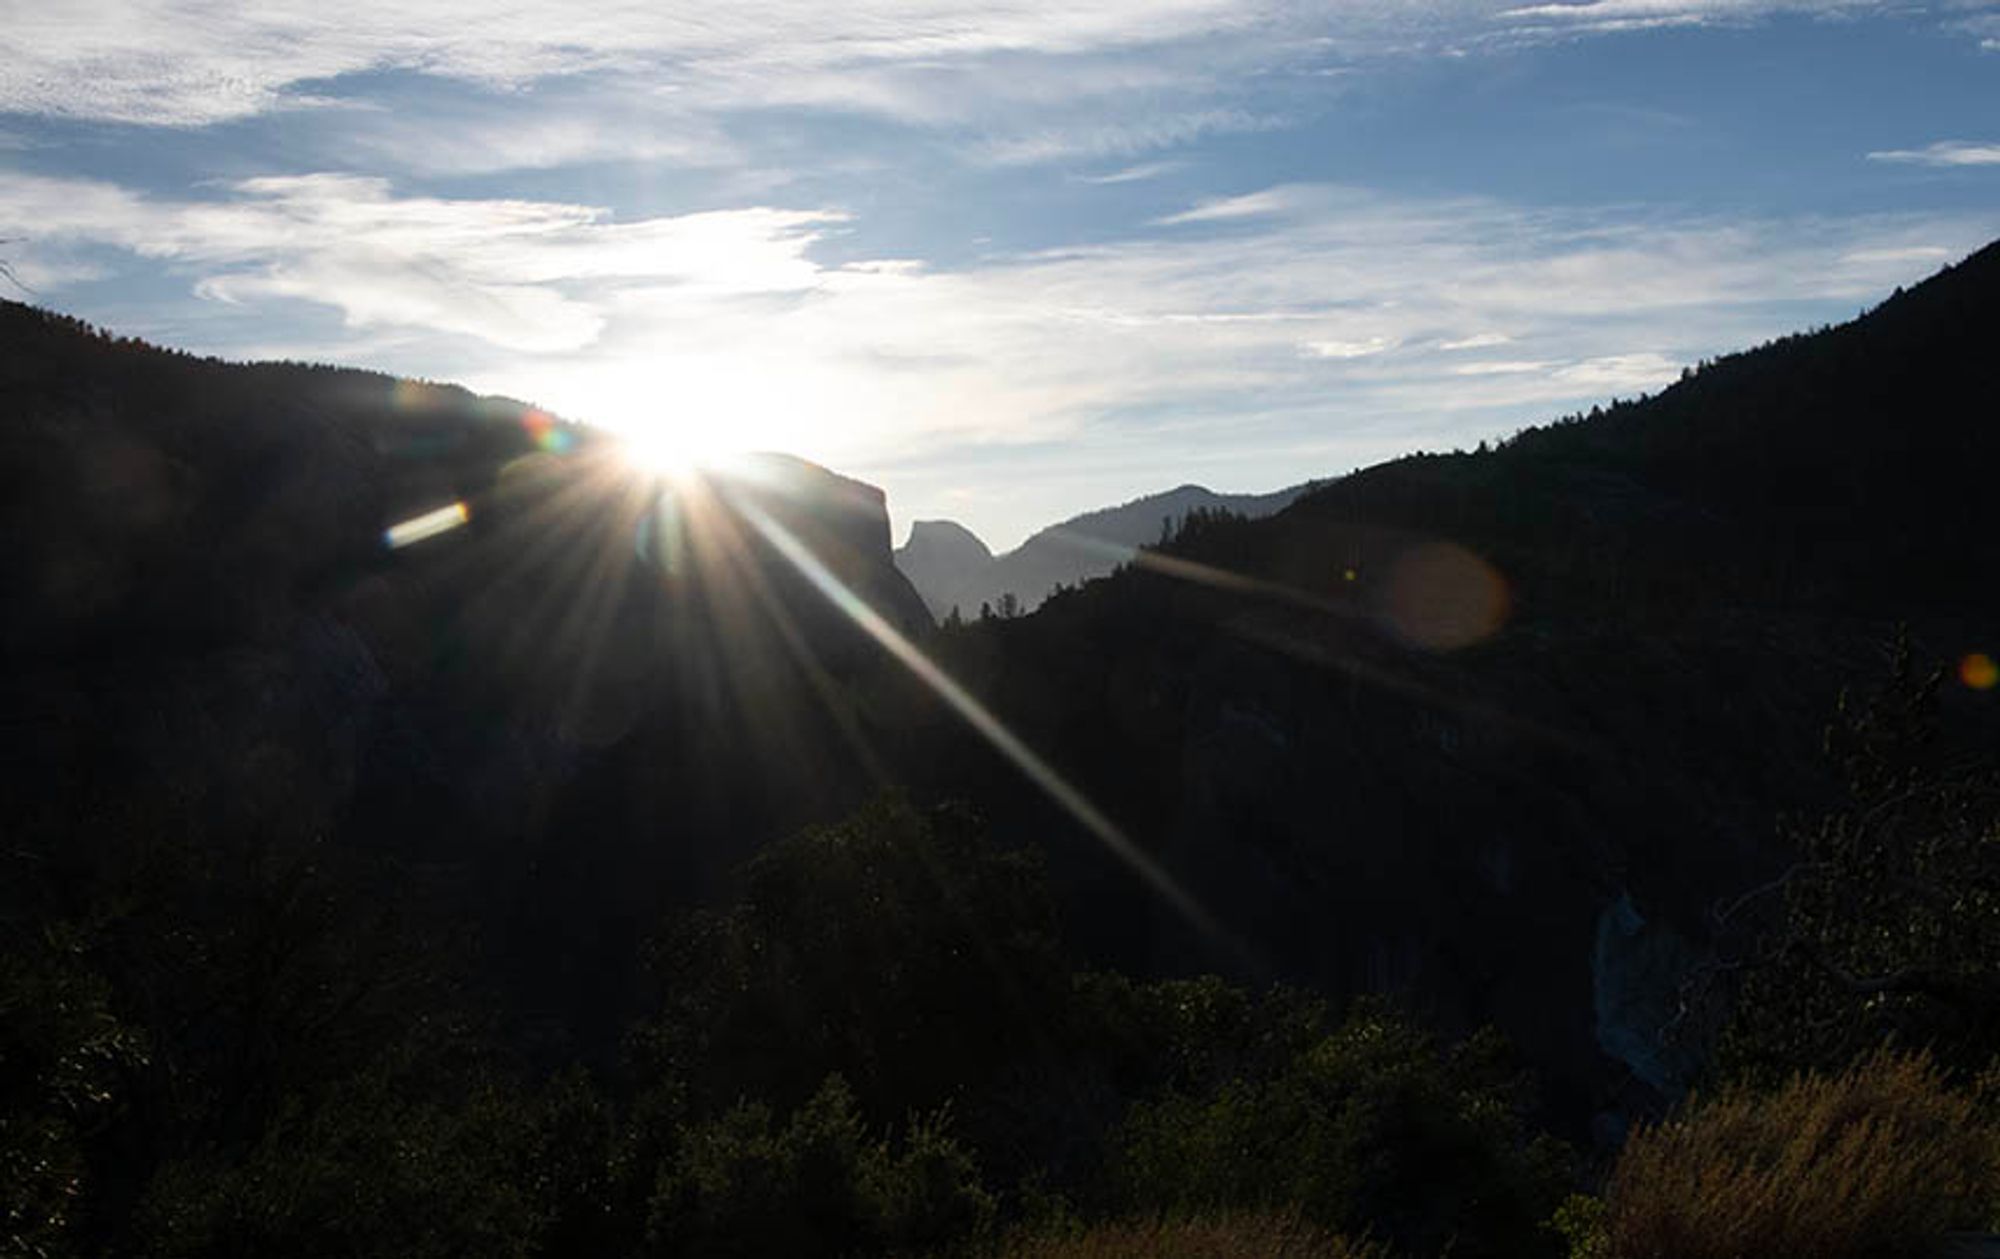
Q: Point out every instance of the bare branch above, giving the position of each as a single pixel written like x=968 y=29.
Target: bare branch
x=8 y=273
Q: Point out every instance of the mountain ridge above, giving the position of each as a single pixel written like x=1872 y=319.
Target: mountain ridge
x=1083 y=547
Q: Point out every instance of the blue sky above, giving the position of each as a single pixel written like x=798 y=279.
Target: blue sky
x=1009 y=261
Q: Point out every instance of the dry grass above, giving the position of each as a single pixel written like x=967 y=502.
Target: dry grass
x=1256 y=1236
x=1878 y=1162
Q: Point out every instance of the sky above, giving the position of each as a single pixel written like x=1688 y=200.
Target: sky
x=1009 y=261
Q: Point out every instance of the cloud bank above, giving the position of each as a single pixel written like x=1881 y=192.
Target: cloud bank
x=1291 y=319
x=192 y=63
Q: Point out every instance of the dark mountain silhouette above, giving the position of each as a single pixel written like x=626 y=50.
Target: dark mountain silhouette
x=1502 y=729
x=951 y=568
x=207 y=627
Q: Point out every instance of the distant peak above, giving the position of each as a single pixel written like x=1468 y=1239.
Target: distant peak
x=944 y=535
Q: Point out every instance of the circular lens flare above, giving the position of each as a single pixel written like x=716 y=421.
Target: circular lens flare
x=1442 y=597
x=1978 y=671
x=548 y=433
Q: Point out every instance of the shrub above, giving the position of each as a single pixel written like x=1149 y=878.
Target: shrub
x=818 y=1185
x=900 y=950
x=1879 y=1161
x=1374 y=1127
x=1192 y=1035
x=930 y=1193
x=1255 y=1236
x=1886 y=929
x=63 y=1061
x=377 y=1169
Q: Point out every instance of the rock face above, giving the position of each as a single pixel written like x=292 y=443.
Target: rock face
x=843 y=522
x=947 y=563
x=951 y=568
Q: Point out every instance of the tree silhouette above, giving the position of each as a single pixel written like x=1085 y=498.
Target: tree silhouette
x=1887 y=926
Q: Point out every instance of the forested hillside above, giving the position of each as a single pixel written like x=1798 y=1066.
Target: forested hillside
x=1503 y=728
x=613 y=864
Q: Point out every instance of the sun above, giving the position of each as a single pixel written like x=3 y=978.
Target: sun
x=675 y=417
x=670 y=453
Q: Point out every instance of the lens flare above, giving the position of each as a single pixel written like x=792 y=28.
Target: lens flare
x=1978 y=671
x=979 y=718
x=413 y=395
x=660 y=537
x=1441 y=597
x=549 y=433
x=428 y=525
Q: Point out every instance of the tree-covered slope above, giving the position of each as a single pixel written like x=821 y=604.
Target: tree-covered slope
x=1501 y=729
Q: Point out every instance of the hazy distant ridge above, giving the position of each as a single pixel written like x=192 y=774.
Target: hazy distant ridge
x=951 y=567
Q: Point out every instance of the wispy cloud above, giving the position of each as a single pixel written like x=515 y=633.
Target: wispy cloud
x=1115 y=137
x=1261 y=204
x=1477 y=341
x=1502 y=367
x=480 y=133
x=1132 y=174
x=507 y=272
x=1349 y=349
x=1619 y=372
x=1618 y=15
x=1944 y=153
